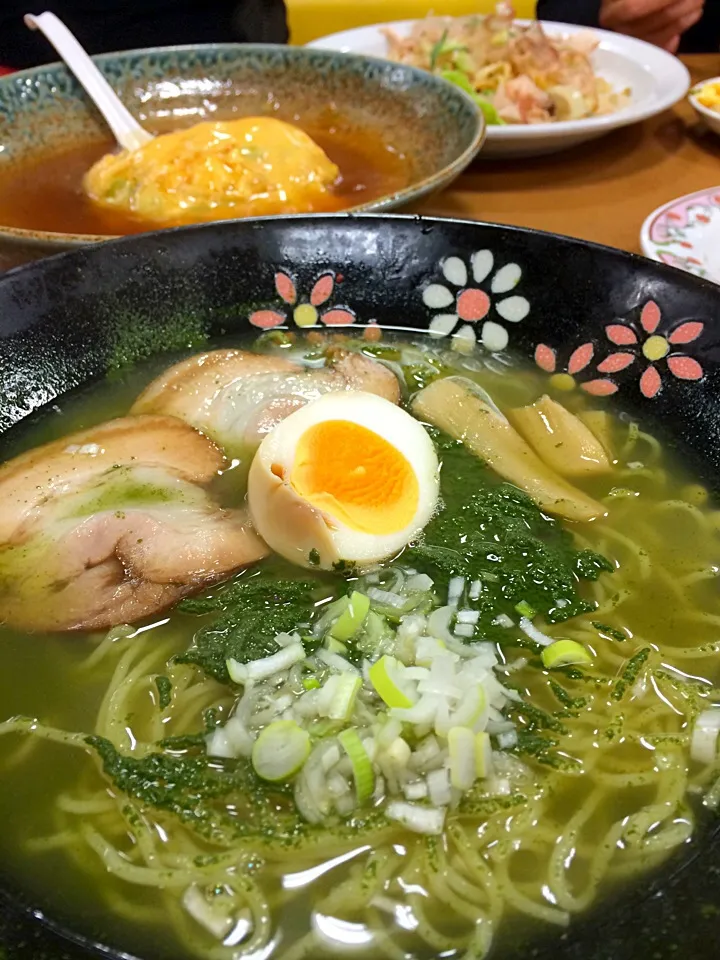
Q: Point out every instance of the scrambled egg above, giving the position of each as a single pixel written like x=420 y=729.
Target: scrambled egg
x=215 y=171
x=709 y=96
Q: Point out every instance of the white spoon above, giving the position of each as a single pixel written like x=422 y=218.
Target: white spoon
x=128 y=132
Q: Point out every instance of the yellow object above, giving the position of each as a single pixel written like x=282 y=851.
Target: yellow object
x=483 y=755
x=564 y=653
x=452 y=405
x=311 y=19
x=656 y=347
x=305 y=315
x=560 y=438
x=562 y=381
x=383 y=677
x=349 y=477
x=213 y=171
x=355 y=475
x=709 y=96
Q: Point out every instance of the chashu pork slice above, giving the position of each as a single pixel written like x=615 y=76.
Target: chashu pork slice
x=236 y=397
x=115 y=532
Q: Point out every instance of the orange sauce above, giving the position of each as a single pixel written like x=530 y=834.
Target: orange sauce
x=47 y=194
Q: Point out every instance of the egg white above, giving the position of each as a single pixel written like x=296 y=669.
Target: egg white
x=310 y=537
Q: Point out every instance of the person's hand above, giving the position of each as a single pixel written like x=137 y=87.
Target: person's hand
x=661 y=22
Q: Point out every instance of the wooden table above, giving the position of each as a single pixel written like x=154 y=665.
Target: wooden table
x=600 y=191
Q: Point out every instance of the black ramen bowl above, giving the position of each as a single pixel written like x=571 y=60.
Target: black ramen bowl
x=576 y=310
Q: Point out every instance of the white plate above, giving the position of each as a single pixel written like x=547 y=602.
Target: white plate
x=685 y=233
x=656 y=78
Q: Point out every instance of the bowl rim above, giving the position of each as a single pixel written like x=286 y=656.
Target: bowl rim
x=666 y=64
x=411 y=193
x=344 y=215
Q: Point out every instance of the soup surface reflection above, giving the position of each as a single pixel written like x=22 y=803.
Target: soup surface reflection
x=47 y=193
x=131 y=763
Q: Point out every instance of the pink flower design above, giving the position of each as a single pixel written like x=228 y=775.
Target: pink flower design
x=580 y=359
x=653 y=347
x=304 y=313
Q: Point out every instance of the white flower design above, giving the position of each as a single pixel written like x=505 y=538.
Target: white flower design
x=472 y=304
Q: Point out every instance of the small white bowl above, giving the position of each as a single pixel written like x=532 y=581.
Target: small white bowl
x=710 y=117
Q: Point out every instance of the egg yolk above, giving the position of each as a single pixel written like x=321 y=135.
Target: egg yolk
x=355 y=476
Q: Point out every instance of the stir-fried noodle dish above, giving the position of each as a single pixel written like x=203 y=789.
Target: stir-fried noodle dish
x=515 y=73
x=319 y=643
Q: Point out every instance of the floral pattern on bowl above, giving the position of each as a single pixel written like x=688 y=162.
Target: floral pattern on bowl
x=685 y=233
x=479 y=286
x=305 y=311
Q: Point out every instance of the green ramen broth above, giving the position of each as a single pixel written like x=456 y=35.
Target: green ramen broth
x=130 y=811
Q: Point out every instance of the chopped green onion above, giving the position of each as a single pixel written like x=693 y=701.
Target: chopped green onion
x=438 y=49
x=427 y=648
x=463 y=61
x=483 y=755
x=399 y=752
x=334 y=646
x=471 y=708
x=439 y=788
x=703 y=747
x=376 y=635
x=352 y=618
x=428 y=820
x=267 y=666
x=331 y=613
x=388 y=733
x=217 y=744
x=525 y=610
x=461 y=746
x=311 y=683
x=336 y=662
x=325 y=728
x=563 y=653
x=459 y=79
x=384 y=677
x=362 y=767
x=280 y=751
x=343 y=690
x=489 y=111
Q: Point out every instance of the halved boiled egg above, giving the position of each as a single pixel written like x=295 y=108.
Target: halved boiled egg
x=348 y=477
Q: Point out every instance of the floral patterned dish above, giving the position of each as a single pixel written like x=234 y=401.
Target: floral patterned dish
x=685 y=233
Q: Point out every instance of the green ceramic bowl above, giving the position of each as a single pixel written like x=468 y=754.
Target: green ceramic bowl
x=431 y=121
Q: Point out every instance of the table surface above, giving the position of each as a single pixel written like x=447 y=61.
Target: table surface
x=601 y=191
